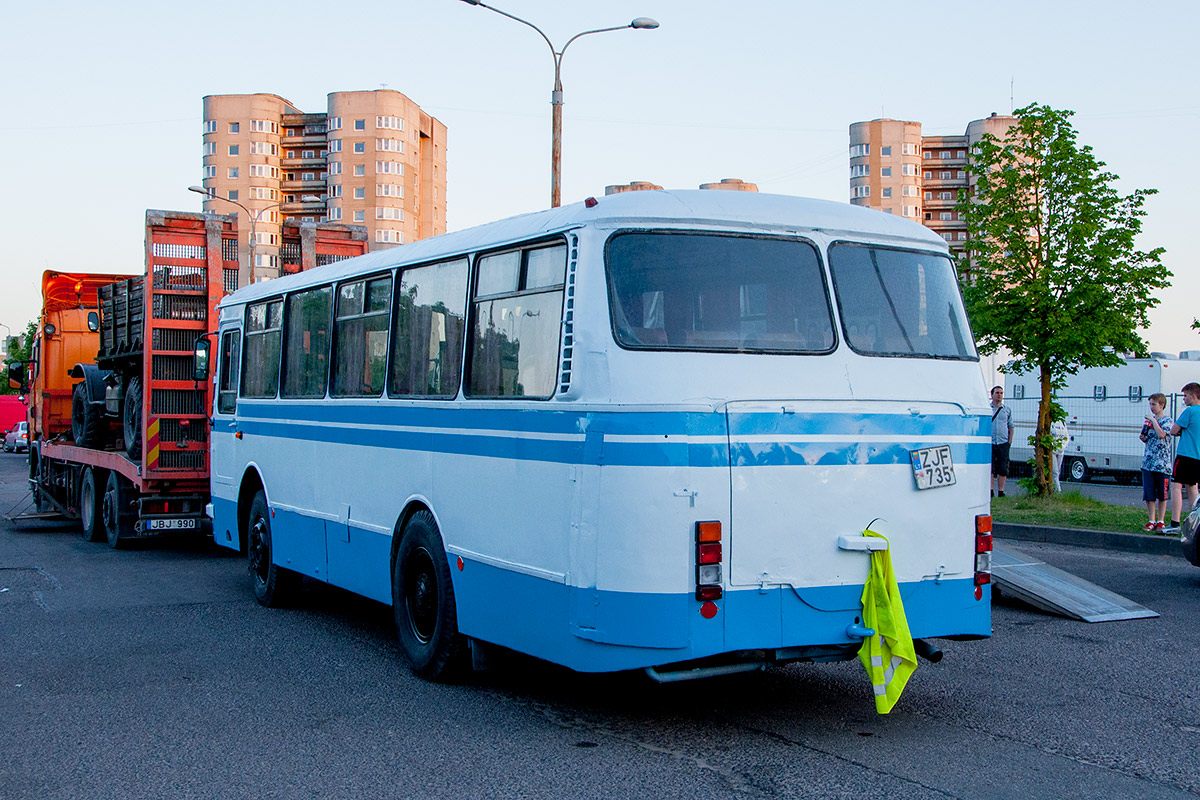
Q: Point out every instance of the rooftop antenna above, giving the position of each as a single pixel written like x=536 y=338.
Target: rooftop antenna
x=1011 y=105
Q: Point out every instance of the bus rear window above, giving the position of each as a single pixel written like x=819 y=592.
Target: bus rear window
x=900 y=302
x=701 y=291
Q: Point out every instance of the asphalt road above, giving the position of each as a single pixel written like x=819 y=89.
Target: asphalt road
x=152 y=673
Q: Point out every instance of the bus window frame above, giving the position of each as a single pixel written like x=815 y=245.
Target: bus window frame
x=822 y=268
x=538 y=243
x=397 y=278
x=918 y=251
x=245 y=328
x=316 y=287
x=333 y=333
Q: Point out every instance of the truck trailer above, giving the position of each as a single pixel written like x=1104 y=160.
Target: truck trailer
x=119 y=389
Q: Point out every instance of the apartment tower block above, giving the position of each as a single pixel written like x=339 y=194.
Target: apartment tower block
x=897 y=170
x=371 y=158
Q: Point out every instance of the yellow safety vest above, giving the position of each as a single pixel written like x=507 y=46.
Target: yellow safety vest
x=888 y=655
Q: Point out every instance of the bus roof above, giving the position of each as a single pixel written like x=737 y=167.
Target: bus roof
x=703 y=208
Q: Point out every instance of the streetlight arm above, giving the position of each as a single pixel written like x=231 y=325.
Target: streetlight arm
x=550 y=44
x=585 y=33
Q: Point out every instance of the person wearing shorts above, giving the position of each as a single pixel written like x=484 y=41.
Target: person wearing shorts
x=1156 y=464
x=1002 y=431
x=1187 y=454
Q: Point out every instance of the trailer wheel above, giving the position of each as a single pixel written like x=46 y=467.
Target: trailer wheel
x=274 y=586
x=117 y=527
x=423 y=602
x=1078 y=470
x=132 y=418
x=87 y=422
x=35 y=477
x=91 y=506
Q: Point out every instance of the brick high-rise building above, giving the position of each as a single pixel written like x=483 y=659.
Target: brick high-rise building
x=371 y=158
x=895 y=169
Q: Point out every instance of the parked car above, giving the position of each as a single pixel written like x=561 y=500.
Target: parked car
x=17 y=440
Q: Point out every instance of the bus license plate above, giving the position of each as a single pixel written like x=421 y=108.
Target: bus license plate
x=172 y=524
x=932 y=467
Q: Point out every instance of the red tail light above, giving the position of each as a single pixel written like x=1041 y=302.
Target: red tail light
x=983 y=553
x=708 y=561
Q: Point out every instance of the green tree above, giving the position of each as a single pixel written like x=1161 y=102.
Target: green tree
x=22 y=351
x=1053 y=273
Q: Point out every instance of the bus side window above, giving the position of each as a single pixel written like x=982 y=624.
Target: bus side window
x=227 y=382
x=360 y=337
x=306 y=343
x=517 y=316
x=428 y=329
x=260 y=363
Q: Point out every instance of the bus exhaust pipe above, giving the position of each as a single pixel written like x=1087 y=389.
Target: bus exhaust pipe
x=927 y=651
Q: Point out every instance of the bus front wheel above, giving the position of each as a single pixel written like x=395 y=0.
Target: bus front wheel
x=423 y=602
x=274 y=586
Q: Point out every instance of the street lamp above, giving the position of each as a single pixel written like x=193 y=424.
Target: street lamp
x=254 y=216
x=556 y=96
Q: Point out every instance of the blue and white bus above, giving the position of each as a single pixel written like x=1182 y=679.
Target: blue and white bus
x=644 y=432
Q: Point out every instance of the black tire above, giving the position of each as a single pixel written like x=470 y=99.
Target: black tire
x=87 y=421
x=35 y=478
x=91 y=505
x=118 y=518
x=1078 y=471
x=274 y=586
x=131 y=417
x=423 y=602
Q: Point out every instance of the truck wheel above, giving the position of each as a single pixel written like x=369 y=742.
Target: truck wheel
x=274 y=586
x=91 y=506
x=423 y=602
x=116 y=516
x=132 y=418
x=87 y=423
x=1078 y=470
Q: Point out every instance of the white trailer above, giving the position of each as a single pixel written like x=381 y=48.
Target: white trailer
x=1106 y=407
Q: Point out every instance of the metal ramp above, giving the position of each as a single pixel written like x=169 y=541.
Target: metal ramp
x=1059 y=592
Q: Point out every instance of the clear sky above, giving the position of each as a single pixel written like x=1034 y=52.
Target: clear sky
x=102 y=102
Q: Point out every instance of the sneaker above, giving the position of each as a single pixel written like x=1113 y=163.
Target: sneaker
x=1149 y=526
x=1159 y=526
x=1001 y=494
x=1171 y=529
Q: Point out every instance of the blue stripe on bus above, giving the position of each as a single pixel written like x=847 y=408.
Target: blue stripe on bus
x=630 y=454
x=553 y=421
x=594 y=630
x=634 y=630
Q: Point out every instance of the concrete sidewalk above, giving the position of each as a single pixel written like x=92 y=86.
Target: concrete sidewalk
x=1168 y=545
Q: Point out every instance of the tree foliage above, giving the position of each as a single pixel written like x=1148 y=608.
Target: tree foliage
x=1054 y=274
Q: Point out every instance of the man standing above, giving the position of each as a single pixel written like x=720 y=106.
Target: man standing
x=1187 y=454
x=1002 y=431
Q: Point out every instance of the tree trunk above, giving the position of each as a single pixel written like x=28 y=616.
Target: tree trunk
x=1043 y=447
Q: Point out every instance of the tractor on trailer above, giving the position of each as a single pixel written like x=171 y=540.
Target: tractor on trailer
x=118 y=386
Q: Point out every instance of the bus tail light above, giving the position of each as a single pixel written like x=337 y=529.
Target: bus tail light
x=983 y=553
x=708 y=561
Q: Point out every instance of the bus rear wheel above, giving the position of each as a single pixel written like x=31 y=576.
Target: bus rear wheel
x=423 y=602
x=274 y=586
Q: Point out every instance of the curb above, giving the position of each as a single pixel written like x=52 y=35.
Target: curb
x=1105 y=540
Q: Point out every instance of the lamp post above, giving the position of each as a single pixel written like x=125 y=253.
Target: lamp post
x=556 y=96
x=254 y=217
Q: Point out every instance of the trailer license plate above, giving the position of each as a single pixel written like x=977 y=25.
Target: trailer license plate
x=932 y=467
x=172 y=524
